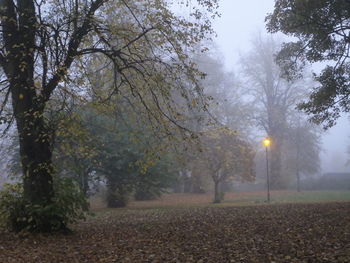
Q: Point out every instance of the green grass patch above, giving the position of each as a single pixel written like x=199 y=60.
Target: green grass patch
x=314 y=196
x=291 y=197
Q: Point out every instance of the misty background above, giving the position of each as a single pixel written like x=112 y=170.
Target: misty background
x=240 y=21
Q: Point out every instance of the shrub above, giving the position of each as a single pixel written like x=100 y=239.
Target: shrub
x=17 y=214
x=147 y=194
x=118 y=197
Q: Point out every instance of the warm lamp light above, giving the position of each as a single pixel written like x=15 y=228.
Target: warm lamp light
x=266 y=142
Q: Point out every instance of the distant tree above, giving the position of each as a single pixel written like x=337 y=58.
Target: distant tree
x=225 y=155
x=46 y=46
x=225 y=89
x=302 y=150
x=157 y=179
x=322 y=29
x=7 y=148
x=226 y=107
x=114 y=155
x=274 y=98
x=75 y=149
x=128 y=156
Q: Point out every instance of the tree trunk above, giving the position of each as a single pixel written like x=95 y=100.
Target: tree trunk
x=34 y=136
x=19 y=27
x=84 y=187
x=217 y=197
x=275 y=169
x=36 y=153
x=84 y=181
x=277 y=181
x=18 y=35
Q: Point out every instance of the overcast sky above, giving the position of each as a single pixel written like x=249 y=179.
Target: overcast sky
x=240 y=20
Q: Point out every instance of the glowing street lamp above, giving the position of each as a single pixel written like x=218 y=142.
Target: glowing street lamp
x=267 y=142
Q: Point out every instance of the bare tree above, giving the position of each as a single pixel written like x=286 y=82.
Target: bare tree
x=301 y=149
x=273 y=98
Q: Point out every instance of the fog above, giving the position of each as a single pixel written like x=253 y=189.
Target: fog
x=335 y=146
x=239 y=22
x=194 y=134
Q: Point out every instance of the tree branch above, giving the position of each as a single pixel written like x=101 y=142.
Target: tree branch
x=73 y=46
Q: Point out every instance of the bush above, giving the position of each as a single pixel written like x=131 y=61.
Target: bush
x=17 y=214
x=118 y=197
x=147 y=194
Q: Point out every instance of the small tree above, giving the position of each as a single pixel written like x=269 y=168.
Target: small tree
x=225 y=155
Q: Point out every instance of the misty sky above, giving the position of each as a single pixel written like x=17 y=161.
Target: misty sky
x=240 y=20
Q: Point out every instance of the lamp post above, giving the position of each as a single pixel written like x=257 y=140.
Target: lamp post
x=267 y=143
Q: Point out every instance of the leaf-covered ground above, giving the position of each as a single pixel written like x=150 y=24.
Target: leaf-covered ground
x=274 y=233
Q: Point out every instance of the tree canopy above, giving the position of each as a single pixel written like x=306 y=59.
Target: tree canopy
x=272 y=98
x=54 y=52
x=225 y=155
x=322 y=31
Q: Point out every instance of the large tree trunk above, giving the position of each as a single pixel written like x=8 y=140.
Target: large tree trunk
x=19 y=27
x=34 y=136
x=36 y=153
x=277 y=180
x=19 y=52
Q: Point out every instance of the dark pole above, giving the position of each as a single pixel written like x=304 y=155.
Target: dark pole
x=298 y=152
x=268 y=177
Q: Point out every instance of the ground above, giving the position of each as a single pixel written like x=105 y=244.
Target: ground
x=233 y=232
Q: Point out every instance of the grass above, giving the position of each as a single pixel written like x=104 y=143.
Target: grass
x=232 y=199
x=315 y=196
